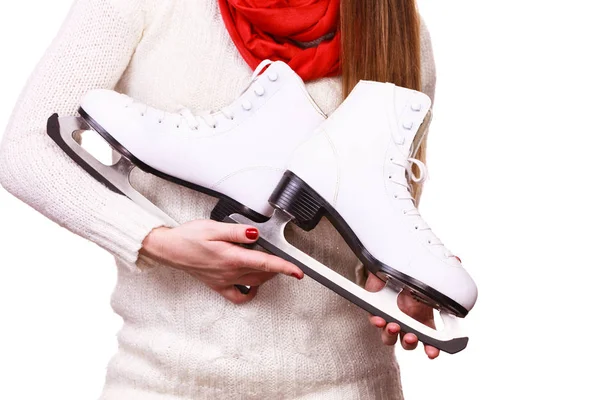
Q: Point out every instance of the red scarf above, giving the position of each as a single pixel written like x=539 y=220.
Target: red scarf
x=264 y=29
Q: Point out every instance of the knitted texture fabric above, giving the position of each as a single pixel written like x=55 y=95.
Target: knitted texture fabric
x=181 y=340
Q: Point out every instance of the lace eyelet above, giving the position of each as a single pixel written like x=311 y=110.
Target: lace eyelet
x=404 y=212
x=160 y=121
x=416 y=227
x=177 y=126
x=142 y=114
x=259 y=92
x=273 y=76
x=246 y=105
x=429 y=242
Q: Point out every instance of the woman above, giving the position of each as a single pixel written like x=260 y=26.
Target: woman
x=188 y=332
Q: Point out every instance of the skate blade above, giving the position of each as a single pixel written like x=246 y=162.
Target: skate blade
x=382 y=303
x=64 y=130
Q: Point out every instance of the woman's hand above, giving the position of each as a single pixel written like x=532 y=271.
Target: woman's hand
x=417 y=310
x=208 y=251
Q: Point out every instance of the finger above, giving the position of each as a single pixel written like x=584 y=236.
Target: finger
x=430 y=321
x=432 y=352
x=389 y=335
x=264 y=262
x=409 y=341
x=255 y=278
x=377 y=321
x=233 y=295
x=234 y=233
x=374 y=284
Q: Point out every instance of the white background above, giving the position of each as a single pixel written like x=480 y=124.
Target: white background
x=513 y=190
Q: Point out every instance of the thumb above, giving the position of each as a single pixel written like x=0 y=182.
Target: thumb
x=234 y=233
x=374 y=284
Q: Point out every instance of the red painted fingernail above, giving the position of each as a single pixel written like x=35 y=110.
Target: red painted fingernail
x=458 y=258
x=252 y=233
x=297 y=276
x=393 y=331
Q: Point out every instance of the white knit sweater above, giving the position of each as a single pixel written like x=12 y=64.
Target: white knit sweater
x=181 y=340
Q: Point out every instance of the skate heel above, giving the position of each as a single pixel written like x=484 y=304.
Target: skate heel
x=227 y=206
x=223 y=209
x=295 y=197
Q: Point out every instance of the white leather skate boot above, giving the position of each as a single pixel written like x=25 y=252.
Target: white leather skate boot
x=356 y=170
x=237 y=154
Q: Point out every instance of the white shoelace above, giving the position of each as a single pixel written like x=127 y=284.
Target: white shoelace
x=406 y=194
x=210 y=117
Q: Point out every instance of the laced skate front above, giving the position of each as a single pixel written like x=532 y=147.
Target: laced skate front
x=210 y=117
x=408 y=178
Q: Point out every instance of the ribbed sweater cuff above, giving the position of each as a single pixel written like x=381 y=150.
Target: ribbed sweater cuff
x=121 y=227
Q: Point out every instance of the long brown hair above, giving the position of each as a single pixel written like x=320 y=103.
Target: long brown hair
x=381 y=42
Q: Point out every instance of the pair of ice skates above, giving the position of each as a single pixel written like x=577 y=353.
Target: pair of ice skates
x=354 y=167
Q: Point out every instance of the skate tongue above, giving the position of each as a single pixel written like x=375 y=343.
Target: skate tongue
x=209 y=117
x=259 y=69
x=420 y=135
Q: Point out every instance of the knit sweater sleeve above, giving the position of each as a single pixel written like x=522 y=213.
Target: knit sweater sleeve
x=428 y=71
x=92 y=50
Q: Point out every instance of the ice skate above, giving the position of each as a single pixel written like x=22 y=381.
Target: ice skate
x=237 y=154
x=357 y=171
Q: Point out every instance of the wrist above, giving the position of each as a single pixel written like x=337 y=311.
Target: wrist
x=153 y=244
